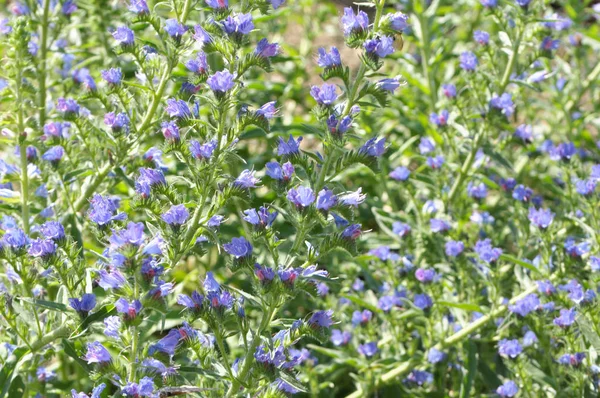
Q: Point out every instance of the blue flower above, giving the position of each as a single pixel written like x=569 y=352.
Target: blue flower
x=326 y=199
x=439 y=225
x=354 y=23
x=449 y=90
x=145 y=388
x=201 y=35
x=96 y=353
x=262 y=218
x=486 y=251
x=217 y=4
x=468 y=61
x=268 y=110
x=401 y=229
x=435 y=162
x=510 y=388
x=503 y=103
x=329 y=60
x=541 y=218
x=199 y=64
x=53 y=230
x=192 y=303
x=566 y=318
x=389 y=85
x=170 y=130
x=549 y=44
x=238 y=247
x=425 y=275
x=422 y=301
x=289 y=147
x=174 y=28
x=167 y=344
x=454 y=248
x=572 y=359
x=373 y=147
x=278 y=172
x=112 y=324
x=321 y=319
x=139 y=7
x=43 y=248
x=526 y=305
x=221 y=82
x=419 y=377
x=148 y=179
x=95 y=392
x=111 y=280
x=481 y=37
x=478 y=191
x=324 y=95
x=112 y=76
x=132 y=235
x=84 y=305
x=439 y=119
x=103 y=210
x=400 y=173
x=54 y=154
x=240 y=24
x=264 y=274
x=202 y=151
x=129 y=309
x=361 y=318
x=117 y=122
x=381 y=46
x=176 y=215
x=246 y=180
x=368 y=349
x=353 y=198
x=265 y=49
x=178 y=109
x=56 y=130
x=124 y=36
x=509 y=348
x=339 y=338
x=301 y=197
x=435 y=356
x=398 y=21
x=522 y=3
x=15 y=238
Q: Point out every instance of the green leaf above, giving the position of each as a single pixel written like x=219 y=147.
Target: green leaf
x=524 y=264
x=69 y=349
x=292 y=381
x=50 y=305
x=460 y=306
x=362 y=303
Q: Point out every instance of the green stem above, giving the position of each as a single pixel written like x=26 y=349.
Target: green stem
x=425 y=54
x=43 y=62
x=464 y=170
x=249 y=358
x=512 y=61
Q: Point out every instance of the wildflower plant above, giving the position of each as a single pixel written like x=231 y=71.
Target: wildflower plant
x=176 y=220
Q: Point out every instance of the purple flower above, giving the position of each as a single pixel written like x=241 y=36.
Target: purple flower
x=324 y=95
x=53 y=230
x=239 y=24
x=112 y=324
x=368 y=349
x=572 y=359
x=439 y=119
x=566 y=318
x=104 y=210
x=478 y=191
x=522 y=193
x=84 y=305
x=468 y=61
x=486 y=251
x=400 y=229
x=454 y=248
x=301 y=197
x=221 y=82
x=43 y=375
x=124 y=36
x=264 y=274
x=526 y=305
x=549 y=44
x=145 y=388
x=329 y=60
x=278 y=172
x=111 y=280
x=117 y=122
x=389 y=85
x=174 y=28
x=57 y=130
x=112 y=76
x=435 y=162
x=422 y=301
x=510 y=388
x=265 y=49
x=509 y=348
x=546 y=287
x=149 y=178
x=425 y=275
x=54 y=154
x=435 y=356
x=198 y=65
x=339 y=338
x=167 y=344
x=398 y=21
x=238 y=248
x=96 y=353
x=504 y=103
x=361 y=318
x=178 y=109
x=380 y=47
x=67 y=106
x=276 y=3
x=129 y=309
x=215 y=221
x=289 y=147
x=268 y=110
x=192 y=303
x=43 y=248
x=246 y=180
x=576 y=249
x=525 y=133
x=321 y=319
x=353 y=198
x=449 y=90
x=541 y=218
x=419 y=377
x=176 y=215
x=15 y=239
x=201 y=35
x=217 y=4
x=522 y=3
x=481 y=37
x=354 y=23
x=529 y=339
x=132 y=235
x=202 y=151
x=400 y=173
x=262 y=218
x=373 y=147
x=439 y=225
x=170 y=131
x=326 y=199
x=138 y=7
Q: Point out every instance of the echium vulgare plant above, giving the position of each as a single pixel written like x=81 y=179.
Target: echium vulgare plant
x=145 y=250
